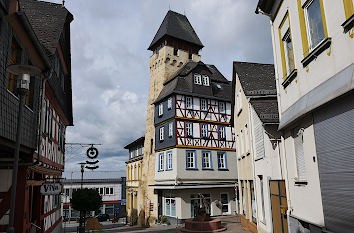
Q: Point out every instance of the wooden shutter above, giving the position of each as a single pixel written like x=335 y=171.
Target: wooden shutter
x=258 y=136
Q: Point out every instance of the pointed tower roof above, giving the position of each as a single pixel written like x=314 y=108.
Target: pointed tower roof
x=178 y=26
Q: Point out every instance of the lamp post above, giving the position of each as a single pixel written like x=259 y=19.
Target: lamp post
x=82 y=228
x=24 y=73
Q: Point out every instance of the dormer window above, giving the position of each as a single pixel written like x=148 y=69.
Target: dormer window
x=198 y=79
x=205 y=80
x=160 y=109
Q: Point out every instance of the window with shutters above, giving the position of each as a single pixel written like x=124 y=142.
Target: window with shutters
x=258 y=136
x=299 y=153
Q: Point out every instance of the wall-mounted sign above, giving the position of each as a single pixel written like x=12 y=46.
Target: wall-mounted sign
x=51 y=188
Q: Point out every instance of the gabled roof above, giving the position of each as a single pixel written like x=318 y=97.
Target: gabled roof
x=47 y=20
x=178 y=26
x=256 y=79
x=182 y=82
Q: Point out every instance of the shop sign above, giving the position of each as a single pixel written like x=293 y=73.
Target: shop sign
x=51 y=188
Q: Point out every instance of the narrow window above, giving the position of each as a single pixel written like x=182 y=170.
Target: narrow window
x=190 y=163
x=175 y=51
x=161 y=133
x=206 y=159
x=262 y=197
x=203 y=105
x=111 y=191
x=247 y=140
x=204 y=130
x=161 y=162
x=169 y=103
x=169 y=161
x=289 y=55
x=222 y=107
x=299 y=152
x=170 y=129
x=151 y=145
x=314 y=23
x=222 y=160
x=221 y=132
x=205 y=80
x=189 y=130
x=189 y=102
x=238 y=146
x=198 y=79
x=242 y=143
x=160 y=109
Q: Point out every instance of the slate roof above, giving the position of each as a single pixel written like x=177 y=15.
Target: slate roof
x=266 y=109
x=135 y=143
x=258 y=83
x=256 y=79
x=47 y=20
x=178 y=26
x=182 y=82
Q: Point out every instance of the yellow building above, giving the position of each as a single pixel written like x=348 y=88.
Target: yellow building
x=133 y=170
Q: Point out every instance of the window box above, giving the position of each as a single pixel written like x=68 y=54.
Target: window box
x=325 y=44
x=348 y=24
x=290 y=78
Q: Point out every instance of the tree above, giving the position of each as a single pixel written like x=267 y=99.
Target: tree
x=86 y=200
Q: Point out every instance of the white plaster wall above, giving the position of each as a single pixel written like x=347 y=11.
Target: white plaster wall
x=328 y=63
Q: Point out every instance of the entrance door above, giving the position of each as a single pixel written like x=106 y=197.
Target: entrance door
x=279 y=206
x=224 y=197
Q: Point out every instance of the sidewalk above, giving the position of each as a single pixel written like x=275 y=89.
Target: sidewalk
x=229 y=221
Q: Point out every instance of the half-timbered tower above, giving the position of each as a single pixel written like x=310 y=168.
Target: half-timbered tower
x=174 y=44
x=35 y=33
x=195 y=143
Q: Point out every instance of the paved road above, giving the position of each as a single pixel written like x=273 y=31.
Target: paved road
x=230 y=222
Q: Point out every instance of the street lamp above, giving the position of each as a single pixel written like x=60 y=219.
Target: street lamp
x=82 y=228
x=24 y=73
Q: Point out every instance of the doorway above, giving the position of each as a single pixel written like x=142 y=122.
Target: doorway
x=225 y=208
x=279 y=206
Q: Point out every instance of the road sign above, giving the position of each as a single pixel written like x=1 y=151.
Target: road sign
x=51 y=188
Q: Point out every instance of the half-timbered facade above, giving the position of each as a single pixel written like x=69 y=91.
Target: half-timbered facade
x=36 y=33
x=195 y=143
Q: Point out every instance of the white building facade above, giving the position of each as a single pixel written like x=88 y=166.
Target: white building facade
x=313 y=55
x=111 y=190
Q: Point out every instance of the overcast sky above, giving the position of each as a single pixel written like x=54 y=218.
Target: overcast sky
x=110 y=75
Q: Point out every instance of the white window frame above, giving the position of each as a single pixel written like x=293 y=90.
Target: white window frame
x=206 y=160
x=170 y=210
x=206 y=80
x=160 y=109
x=222 y=134
x=222 y=159
x=161 y=161
x=198 y=79
x=189 y=102
x=169 y=161
x=190 y=159
x=170 y=129
x=169 y=103
x=162 y=129
x=203 y=105
x=204 y=130
x=189 y=129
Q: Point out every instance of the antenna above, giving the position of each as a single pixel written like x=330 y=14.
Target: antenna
x=63 y=3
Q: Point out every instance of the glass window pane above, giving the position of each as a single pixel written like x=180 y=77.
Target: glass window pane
x=315 y=23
